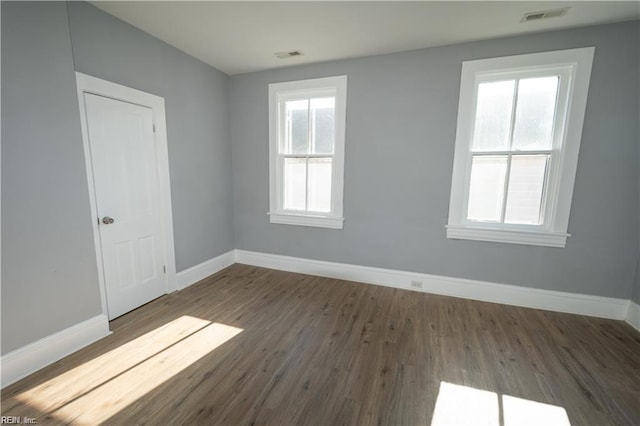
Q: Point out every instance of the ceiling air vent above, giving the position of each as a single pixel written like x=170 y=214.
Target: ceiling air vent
x=544 y=14
x=285 y=55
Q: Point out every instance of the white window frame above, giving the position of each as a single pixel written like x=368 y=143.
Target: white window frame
x=278 y=94
x=574 y=68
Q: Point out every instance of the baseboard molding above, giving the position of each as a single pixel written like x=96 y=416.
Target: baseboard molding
x=30 y=358
x=633 y=315
x=596 y=306
x=203 y=270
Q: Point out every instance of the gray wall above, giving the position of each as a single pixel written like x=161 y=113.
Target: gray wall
x=401 y=120
x=400 y=134
x=196 y=99
x=636 y=290
x=635 y=296
x=49 y=275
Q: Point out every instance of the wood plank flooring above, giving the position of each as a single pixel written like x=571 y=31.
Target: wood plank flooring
x=253 y=346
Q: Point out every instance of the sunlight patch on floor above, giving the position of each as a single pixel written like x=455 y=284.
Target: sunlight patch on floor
x=100 y=388
x=463 y=405
x=524 y=412
x=459 y=405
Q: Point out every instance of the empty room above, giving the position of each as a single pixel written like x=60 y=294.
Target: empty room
x=320 y=213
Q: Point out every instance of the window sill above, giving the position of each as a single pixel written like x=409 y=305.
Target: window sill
x=532 y=238
x=306 y=220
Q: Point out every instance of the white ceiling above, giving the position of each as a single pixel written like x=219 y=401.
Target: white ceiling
x=237 y=37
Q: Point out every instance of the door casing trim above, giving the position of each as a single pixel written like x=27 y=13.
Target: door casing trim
x=89 y=84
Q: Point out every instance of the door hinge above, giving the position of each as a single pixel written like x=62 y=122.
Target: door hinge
x=154 y=128
x=164 y=268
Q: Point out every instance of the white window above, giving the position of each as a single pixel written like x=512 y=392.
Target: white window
x=518 y=136
x=306 y=151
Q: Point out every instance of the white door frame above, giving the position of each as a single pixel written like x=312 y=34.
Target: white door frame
x=88 y=84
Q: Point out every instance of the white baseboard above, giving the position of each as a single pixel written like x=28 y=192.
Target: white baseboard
x=203 y=270
x=30 y=358
x=596 y=306
x=633 y=315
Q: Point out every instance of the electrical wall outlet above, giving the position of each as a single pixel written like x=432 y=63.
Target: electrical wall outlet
x=416 y=284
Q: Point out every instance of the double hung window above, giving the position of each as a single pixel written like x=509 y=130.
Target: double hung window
x=519 y=128
x=307 y=124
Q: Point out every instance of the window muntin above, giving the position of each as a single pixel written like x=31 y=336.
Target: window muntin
x=518 y=137
x=307 y=139
x=306 y=151
x=512 y=145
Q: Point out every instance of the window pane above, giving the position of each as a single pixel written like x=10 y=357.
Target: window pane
x=322 y=110
x=534 y=113
x=493 y=116
x=486 y=191
x=320 y=184
x=295 y=176
x=297 y=132
x=526 y=184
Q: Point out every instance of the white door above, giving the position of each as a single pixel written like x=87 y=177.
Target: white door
x=126 y=185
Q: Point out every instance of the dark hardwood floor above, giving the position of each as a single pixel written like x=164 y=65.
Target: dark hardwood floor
x=257 y=346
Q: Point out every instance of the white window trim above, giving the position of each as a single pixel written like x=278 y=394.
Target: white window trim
x=334 y=219
x=577 y=65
